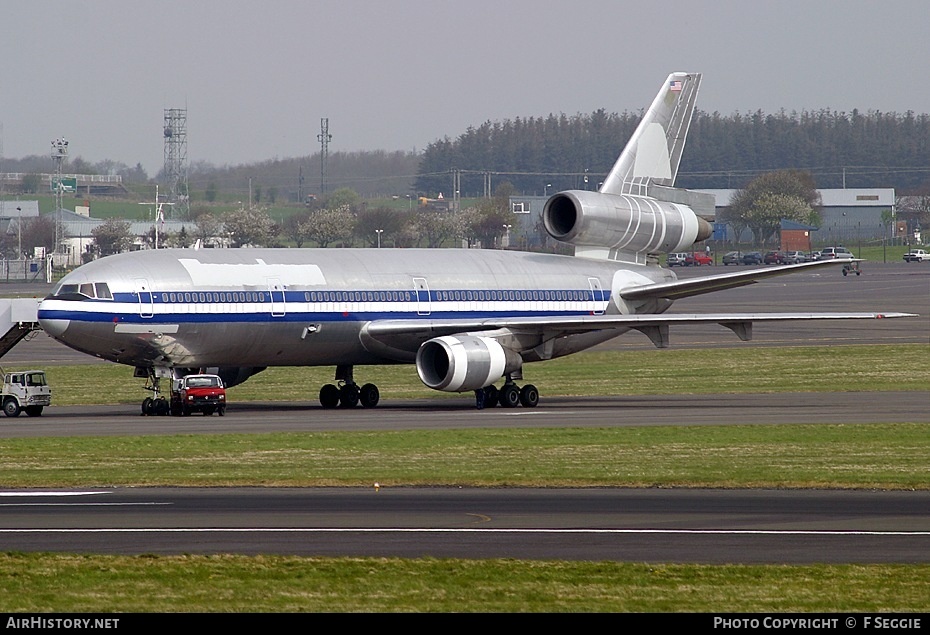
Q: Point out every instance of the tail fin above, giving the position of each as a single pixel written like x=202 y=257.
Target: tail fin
x=654 y=151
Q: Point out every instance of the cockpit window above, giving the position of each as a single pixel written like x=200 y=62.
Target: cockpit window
x=103 y=291
x=83 y=291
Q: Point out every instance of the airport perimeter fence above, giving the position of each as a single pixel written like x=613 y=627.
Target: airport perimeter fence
x=23 y=270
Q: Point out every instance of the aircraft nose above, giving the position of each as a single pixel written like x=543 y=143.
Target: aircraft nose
x=53 y=326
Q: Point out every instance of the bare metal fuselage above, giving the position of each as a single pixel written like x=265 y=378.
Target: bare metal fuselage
x=308 y=307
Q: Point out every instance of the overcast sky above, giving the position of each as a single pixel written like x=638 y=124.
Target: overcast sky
x=256 y=78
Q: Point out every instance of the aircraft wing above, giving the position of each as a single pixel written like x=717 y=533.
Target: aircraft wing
x=408 y=334
x=707 y=284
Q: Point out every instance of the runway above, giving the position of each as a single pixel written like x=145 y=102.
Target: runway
x=648 y=525
x=684 y=526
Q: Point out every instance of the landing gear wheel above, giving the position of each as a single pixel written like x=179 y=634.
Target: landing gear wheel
x=147 y=406
x=369 y=396
x=329 y=396
x=348 y=396
x=34 y=411
x=509 y=396
x=160 y=406
x=11 y=408
x=529 y=396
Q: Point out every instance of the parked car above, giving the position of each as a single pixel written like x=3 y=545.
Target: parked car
x=834 y=252
x=676 y=259
x=794 y=257
x=697 y=259
x=732 y=258
x=773 y=258
x=916 y=255
x=752 y=258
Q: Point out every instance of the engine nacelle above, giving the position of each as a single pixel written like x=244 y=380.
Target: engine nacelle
x=633 y=224
x=235 y=375
x=456 y=363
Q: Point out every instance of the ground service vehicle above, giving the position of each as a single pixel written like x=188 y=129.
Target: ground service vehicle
x=834 y=252
x=198 y=393
x=916 y=255
x=25 y=390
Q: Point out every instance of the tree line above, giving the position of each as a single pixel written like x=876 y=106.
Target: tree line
x=539 y=155
x=545 y=154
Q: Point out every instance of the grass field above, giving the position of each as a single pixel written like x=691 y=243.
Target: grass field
x=881 y=456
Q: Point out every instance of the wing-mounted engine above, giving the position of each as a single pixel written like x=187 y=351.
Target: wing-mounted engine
x=235 y=375
x=624 y=226
x=457 y=363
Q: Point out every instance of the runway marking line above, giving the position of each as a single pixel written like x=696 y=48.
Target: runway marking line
x=402 y=530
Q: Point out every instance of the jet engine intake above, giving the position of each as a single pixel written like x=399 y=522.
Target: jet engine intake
x=633 y=224
x=457 y=363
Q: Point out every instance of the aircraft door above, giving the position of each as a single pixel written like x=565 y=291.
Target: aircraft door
x=421 y=287
x=276 y=290
x=597 y=295
x=144 y=293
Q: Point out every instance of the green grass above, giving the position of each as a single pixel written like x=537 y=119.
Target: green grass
x=882 y=456
x=224 y=583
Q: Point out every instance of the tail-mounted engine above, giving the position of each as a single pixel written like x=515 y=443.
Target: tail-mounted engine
x=623 y=223
x=456 y=363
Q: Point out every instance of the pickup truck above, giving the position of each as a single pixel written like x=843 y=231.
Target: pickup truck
x=198 y=393
x=916 y=255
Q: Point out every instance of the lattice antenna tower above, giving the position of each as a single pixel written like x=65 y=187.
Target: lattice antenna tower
x=176 y=161
x=324 y=138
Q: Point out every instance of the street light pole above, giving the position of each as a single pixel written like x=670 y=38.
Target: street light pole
x=379 y=232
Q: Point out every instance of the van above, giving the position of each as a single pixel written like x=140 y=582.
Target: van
x=676 y=259
x=828 y=253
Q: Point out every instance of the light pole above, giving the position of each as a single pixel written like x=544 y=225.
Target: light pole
x=546 y=189
x=19 y=229
x=59 y=153
x=379 y=232
x=505 y=241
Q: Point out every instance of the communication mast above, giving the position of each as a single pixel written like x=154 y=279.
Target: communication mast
x=176 y=159
x=324 y=138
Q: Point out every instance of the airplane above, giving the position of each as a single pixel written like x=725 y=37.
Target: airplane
x=466 y=318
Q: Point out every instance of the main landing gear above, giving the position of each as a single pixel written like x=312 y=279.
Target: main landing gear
x=346 y=393
x=509 y=396
x=156 y=405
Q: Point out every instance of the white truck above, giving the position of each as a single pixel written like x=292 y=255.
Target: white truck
x=25 y=390
x=917 y=255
